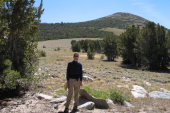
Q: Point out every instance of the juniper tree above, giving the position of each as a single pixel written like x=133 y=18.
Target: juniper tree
x=128 y=45
x=110 y=47
x=20 y=20
x=153 y=46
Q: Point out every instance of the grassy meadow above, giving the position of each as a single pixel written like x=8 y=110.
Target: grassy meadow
x=106 y=75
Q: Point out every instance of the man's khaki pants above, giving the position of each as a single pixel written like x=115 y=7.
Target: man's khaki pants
x=73 y=85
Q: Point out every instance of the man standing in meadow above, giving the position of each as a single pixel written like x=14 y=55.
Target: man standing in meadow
x=74 y=81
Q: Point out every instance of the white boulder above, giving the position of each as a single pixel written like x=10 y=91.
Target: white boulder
x=59 y=100
x=138 y=91
x=43 y=96
x=158 y=94
x=87 y=105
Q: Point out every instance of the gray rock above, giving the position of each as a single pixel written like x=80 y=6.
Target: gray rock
x=43 y=96
x=59 y=100
x=87 y=105
x=125 y=86
x=99 y=103
x=127 y=104
x=86 y=78
x=165 y=90
x=138 y=91
x=110 y=103
x=158 y=94
x=147 y=83
x=126 y=79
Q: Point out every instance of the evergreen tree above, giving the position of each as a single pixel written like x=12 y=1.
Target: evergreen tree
x=168 y=43
x=110 y=47
x=153 y=46
x=90 y=54
x=128 y=45
x=76 y=47
x=19 y=21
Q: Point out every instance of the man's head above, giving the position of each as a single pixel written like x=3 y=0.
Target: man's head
x=76 y=56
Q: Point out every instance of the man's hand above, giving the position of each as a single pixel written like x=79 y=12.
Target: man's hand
x=81 y=84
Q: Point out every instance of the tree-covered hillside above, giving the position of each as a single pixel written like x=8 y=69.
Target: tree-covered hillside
x=89 y=28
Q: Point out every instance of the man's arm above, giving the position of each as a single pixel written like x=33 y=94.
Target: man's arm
x=67 y=76
x=81 y=75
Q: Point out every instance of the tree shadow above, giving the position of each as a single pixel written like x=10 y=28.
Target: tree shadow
x=7 y=96
x=129 y=66
x=109 y=61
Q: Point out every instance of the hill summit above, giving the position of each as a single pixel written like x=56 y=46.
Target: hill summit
x=93 y=28
x=129 y=18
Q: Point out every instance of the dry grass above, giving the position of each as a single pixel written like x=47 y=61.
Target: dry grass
x=107 y=75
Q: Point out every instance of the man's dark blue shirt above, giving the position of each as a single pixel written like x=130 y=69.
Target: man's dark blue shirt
x=74 y=70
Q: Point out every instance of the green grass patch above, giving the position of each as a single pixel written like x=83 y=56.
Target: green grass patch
x=61 y=92
x=118 y=96
x=97 y=93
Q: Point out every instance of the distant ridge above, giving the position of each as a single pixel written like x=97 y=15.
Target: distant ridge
x=136 y=20
x=89 y=29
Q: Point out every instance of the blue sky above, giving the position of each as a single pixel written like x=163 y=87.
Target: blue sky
x=57 y=11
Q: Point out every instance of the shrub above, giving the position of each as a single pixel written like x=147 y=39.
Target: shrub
x=58 y=49
x=116 y=96
x=90 y=54
x=9 y=78
x=102 y=57
x=119 y=96
x=41 y=53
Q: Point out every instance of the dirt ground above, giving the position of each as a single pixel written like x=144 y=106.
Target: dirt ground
x=106 y=75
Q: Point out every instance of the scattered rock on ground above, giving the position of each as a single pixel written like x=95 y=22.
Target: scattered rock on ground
x=124 y=86
x=43 y=96
x=138 y=91
x=59 y=100
x=126 y=79
x=87 y=105
x=99 y=103
x=86 y=78
x=110 y=103
x=158 y=94
x=165 y=90
x=127 y=104
x=147 y=83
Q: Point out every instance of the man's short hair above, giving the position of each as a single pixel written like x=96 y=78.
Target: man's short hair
x=76 y=55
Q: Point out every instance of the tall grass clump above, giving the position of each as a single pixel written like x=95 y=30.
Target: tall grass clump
x=118 y=96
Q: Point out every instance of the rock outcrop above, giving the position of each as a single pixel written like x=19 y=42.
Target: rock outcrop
x=99 y=103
